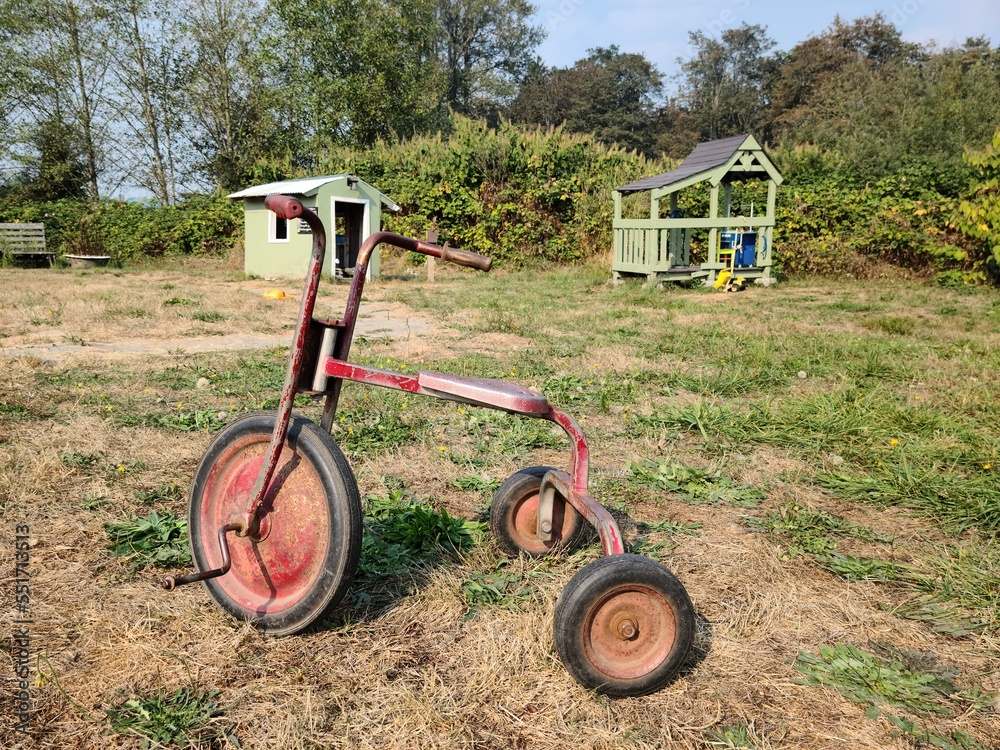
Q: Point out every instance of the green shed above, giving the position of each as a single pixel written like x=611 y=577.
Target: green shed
x=658 y=246
x=350 y=208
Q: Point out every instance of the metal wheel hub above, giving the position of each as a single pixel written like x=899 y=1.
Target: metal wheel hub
x=629 y=632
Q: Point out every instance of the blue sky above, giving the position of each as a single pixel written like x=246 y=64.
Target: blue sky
x=659 y=28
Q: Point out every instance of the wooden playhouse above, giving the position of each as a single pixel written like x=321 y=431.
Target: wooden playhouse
x=658 y=247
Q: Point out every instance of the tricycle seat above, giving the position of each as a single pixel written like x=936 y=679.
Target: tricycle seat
x=493 y=394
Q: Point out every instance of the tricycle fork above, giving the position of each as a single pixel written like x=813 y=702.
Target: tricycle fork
x=575 y=488
x=287 y=208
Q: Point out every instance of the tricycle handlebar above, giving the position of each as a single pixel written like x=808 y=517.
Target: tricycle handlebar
x=466 y=258
x=287 y=207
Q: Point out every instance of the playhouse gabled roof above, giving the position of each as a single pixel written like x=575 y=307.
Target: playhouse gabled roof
x=307 y=186
x=709 y=160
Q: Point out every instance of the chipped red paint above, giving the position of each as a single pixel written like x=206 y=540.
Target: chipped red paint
x=272 y=575
x=288 y=208
x=580 y=452
x=492 y=394
x=371 y=376
x=589 y=508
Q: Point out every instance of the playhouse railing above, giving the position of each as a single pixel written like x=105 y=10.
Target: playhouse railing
x=641 y=247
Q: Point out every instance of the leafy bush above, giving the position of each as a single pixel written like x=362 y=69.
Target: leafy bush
x=525 y=196
x=200 y=224
x=159 y=539
x=979 y=217
x=519 y=195
x=402 y=533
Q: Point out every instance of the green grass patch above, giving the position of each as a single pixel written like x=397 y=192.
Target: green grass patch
x=79 y=459
x=671 y=527
x=184 y=718
x=861 y=568
x=900 y=681
x=920 y=738
x=402 y=533
x=476 y=483
x=208 y=316
x=162 y=495
x=894 y=325
x=805 y=530
x=494 y=589
x=496 y=433
x=572 y=391
x=379 y=425
x=159 y=539
x=957 y=499
x=196 y=420
x=713 y=423
x=731 y=736
x=854 y=306
x=954 y=581
x=695 y=486
x=128 y=311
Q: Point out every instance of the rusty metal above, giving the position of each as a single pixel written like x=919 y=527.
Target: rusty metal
x=343 y=348
x=288 y=208
x=587 y=506
x=227 y=562
x=629 y=632
x=271 y=574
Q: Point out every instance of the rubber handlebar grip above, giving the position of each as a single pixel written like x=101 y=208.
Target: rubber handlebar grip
x=285 y=206
x=466 y=258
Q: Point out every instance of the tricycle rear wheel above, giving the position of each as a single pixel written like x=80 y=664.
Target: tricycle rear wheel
x=514 y=517
x=623 y=625
x=310 y=544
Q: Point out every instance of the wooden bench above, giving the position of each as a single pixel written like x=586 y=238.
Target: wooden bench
x=25 y=243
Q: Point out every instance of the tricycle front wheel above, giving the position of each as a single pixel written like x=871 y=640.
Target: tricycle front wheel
x=310 y=540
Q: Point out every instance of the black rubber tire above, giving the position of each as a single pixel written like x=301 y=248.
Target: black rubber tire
x=585 y=622
x=323 y=470
x=508 y=502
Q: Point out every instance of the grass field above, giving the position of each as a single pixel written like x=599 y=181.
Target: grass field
x=817 y=462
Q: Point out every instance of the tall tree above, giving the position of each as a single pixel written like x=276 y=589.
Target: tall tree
x=150 y=73
x=612 y=94
x=486 y=47
x=55 y=77
x=349 y=72
x=76 y=61
x=863 y=47
x=225 y=88
x=723 y=84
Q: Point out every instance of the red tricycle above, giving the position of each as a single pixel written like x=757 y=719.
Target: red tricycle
x=623 y=625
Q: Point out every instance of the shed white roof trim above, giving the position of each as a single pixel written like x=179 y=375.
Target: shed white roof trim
x=306 y=186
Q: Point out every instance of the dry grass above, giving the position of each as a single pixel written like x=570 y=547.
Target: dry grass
x=83 y=440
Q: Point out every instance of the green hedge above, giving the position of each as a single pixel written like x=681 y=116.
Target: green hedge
x=518 y=195
x=525 y=196
x=198 y=225
x=825 y=227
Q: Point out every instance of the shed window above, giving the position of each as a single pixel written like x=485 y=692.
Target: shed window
x=278 y=228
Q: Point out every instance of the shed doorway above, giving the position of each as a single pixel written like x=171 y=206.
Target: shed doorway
x=350 y=221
